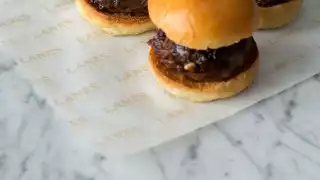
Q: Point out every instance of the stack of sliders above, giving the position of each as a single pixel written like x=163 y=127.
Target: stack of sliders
x=203 y=50
x=277 y=13
x=117 y=17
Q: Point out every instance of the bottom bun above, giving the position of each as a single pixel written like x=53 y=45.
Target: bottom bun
x=113 y=24
x=278 y=15
x=206 y=91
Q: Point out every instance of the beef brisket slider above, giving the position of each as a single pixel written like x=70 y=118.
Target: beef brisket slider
x=203 y=50
x=117 y=17
x=277 y=13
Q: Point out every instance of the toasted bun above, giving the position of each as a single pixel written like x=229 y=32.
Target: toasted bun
x=207 y=91
x=114 y=24
x=206 y=23
x=279 y=15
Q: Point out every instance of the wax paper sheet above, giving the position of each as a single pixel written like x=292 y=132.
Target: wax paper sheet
x=102 y=88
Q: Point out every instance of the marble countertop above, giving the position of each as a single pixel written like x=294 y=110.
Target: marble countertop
x=276 y=139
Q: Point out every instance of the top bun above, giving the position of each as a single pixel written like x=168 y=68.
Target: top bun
x=204 y=24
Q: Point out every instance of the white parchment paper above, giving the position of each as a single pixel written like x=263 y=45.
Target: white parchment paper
x=101 y=86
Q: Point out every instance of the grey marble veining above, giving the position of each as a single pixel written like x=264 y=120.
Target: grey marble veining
x=277 y=139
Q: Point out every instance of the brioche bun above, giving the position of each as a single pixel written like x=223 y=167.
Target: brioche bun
x=204 y=24
x=114 y=24
x=278 y=15
x=206 y=91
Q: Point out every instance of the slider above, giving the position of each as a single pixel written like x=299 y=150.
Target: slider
x=117 y=17
x=277 y=13
x=203 y=50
